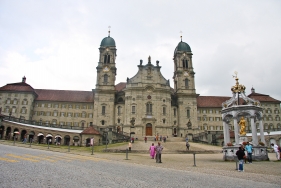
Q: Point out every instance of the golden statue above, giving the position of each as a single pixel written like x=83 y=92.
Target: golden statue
x=242 y=124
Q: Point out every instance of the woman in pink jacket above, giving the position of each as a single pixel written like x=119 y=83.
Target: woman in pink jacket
x=152 y=151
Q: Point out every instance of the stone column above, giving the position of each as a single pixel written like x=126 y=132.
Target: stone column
x=226 y=133
x=236 y=131
x=254 y=131
x=261 y=132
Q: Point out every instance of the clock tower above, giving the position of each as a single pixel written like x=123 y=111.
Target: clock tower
x=184 y=86
x=105 y=85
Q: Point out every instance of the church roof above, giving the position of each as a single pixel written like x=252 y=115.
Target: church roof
x=20 y=86
x=107 y=42
x=64 y=95
x=211 y=101
x=262 y=97
x=120 y=86
x=90 y=130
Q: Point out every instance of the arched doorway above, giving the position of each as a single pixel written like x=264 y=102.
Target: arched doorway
x=58 y=139
x=8 y=133
x=31 y=136
x=40 y=138
x=23 y=135
x=49 y=138
x=67 y=140
x=88 y=142
x=2 y=128
x=76 y=140
x=16 y=134
x=148 y=129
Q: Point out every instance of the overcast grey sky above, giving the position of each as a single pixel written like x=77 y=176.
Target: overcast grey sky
x=55 y=43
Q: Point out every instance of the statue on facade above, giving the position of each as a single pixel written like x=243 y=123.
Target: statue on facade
x=242 y=124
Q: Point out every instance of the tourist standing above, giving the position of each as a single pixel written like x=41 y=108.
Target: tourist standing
x=249 y=150
x=158 y=150
x=145 y=139
x=152 y=151
x=240 y=155
x=130 y=146
x=276 y=150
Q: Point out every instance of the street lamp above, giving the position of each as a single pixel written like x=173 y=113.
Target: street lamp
x=106 y=132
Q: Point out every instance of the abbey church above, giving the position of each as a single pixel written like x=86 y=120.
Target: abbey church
x=146 y=104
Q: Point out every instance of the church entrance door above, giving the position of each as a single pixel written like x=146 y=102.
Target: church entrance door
x=148 y=129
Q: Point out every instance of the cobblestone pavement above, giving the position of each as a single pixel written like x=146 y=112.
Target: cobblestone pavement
x=112 y=170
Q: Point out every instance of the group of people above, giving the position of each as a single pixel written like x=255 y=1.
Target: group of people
x=245 y=153
x=156 y=151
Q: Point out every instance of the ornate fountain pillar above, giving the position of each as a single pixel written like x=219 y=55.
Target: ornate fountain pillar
x=236 y=131
x=226 y=133
x=261 y=132
x=254 y=131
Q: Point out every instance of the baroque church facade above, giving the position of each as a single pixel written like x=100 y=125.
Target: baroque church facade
x=145 y=104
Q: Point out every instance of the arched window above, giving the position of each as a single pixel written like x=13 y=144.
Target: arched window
x=185 y=63
x=120 y=99
x=106 y=58
x=105 y=78
x=102 y=122
x=186 y=82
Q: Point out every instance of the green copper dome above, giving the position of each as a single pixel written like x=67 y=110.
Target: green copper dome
x=107 y=41
x=182 y=46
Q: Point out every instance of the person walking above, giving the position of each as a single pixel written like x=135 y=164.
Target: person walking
x=240 y=155
x=152 y=151
x=276 y=150
x=249 y=150
x=187 y=146
x=158 y=150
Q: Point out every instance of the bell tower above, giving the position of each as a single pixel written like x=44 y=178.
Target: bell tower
x=183 y=69
x=105 y=85
x=106 y=69
x=184 y=86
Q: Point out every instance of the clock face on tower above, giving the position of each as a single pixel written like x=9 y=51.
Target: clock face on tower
x=185 y=73
x=106 y=69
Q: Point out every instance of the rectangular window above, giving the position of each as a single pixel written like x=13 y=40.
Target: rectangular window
x=149 y=108
x=103 y=110
x=210 y=111
x=188 y=113
x=56 y=105
x=77 y=106
x=69 y=114
x=62 y=114
x=133 y=109
x=49 y=105
x=164 y=110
